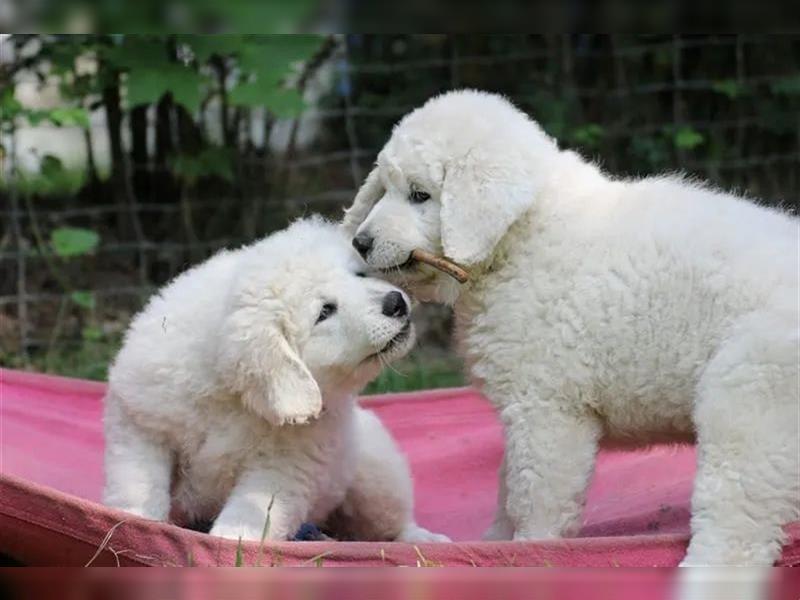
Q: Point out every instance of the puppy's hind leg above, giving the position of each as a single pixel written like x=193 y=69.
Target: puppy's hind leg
x=138 y=468
x=379 y=504
x=748 y=466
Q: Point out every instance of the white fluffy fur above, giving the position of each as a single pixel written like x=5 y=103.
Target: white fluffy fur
x=633 y=311
x=227 y=396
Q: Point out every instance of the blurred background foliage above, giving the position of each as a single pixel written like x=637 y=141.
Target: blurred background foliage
x=126 y=158
x=159 y=16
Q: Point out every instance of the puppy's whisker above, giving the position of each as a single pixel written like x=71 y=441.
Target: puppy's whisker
x=391 y=367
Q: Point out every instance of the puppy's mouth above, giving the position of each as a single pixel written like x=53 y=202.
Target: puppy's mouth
x=410 y=271
x=398 y=340
x=404 y=266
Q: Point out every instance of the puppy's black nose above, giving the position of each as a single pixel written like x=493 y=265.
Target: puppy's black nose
x=363 y=243
x=394 y=305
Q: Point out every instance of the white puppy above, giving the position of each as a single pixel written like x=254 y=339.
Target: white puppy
x=632 y=310
x=235 y=392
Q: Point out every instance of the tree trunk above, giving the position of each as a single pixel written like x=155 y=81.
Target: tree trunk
x=111 y=101
x=139 y=162
x=165 y=148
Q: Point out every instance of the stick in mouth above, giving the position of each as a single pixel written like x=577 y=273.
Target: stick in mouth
x=444 y=265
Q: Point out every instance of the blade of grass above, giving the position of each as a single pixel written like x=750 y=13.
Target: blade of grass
x=424 y=562
x=104 y=543
x=239 y=554
x=318 y=559
x=265 y=532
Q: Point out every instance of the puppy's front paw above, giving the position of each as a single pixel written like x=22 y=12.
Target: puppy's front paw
x=236 y=531
x=296 y=412
x=154 y=511
x=414 y=534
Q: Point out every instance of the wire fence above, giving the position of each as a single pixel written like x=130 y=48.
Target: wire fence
x=722 y=108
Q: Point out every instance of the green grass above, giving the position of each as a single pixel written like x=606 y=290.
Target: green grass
x=89 y=359
x=421 y=370
x=86 y=359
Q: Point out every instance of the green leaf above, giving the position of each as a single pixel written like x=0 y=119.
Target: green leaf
x=73 y=241
x=687 y=138
x=729 y=88
x=272 y=56
x=68 y=116
x=282 y=103
x=51 y=167
x=205 y=46
x=137 y=51
x=213 y=161
x=37 y=116
x=62 y=54
x=285 y=103
x=83 y=299
x=276 y=16
x=9 y=105
x=589 y=135
x=268 y=59
x=146 y=85
x=152 y=73
x=90 y=333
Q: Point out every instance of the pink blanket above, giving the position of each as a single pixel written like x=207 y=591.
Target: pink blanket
x=51 y=454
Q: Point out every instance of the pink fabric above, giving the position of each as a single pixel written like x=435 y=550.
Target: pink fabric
x=51 y=450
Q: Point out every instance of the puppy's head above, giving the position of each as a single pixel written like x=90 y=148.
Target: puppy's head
x=304 y=321
x=455 y=175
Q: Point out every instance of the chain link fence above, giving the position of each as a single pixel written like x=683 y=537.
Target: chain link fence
x=721 y=108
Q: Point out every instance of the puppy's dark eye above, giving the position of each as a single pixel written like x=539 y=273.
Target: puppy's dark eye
x=361 y=274
x=418 y=196
x=328 y=310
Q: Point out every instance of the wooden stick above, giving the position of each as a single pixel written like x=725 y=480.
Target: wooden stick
x=444 y=265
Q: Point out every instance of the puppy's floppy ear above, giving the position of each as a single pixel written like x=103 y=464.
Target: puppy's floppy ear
x=481 y=198
x=369 y=193
x=257 y=361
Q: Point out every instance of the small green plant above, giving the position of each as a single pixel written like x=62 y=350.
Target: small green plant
x=68 y=242
x=12 y=112
x=209 y=162
x=239 y=561
x=265 y=531
x=687 y=138
x=730 y=88
x=589 y=136
x=85 y=358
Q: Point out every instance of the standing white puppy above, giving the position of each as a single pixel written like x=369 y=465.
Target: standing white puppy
x=234 y=395
x=632 y=310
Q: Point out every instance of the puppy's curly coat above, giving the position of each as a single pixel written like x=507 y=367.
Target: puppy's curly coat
x=637 y=311
x=234 y=394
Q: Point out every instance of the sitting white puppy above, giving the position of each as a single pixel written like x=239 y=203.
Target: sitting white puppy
x=234 y=395
x=632 y=310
